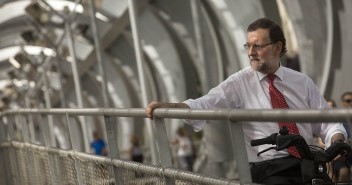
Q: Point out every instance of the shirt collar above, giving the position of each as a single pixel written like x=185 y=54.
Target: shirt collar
x=279 y=73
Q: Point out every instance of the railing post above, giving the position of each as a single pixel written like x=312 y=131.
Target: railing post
x=111 y=132
x=24 y=129
x=28 y=154
x=31 y=128
x=47 y=141
x=74 y=146
x=45 y=131
x=3 y=138
x=239 y=149
x=11 y=128
x=30 y=120
x=12 y=136
x=163 y=146
x=3 y=132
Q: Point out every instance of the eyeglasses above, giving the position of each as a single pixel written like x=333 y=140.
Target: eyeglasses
x=348 y=100
x=256 y=47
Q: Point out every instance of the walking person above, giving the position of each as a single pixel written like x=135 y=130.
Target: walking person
x=135 y=151
x=98 y=145
x=340 y=170
x=185 y=149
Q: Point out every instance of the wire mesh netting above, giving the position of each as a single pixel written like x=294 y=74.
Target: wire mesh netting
x=93 y=172
x=62 y=169
x=31 y=164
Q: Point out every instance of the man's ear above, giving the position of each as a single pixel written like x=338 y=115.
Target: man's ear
x=278 y=47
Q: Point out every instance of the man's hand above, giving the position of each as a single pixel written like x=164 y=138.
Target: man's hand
x=339 y=161
x=155 y=104
x=150 y=108
x=338 y=137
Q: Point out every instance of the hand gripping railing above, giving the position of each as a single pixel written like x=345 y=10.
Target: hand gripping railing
x=233 y=116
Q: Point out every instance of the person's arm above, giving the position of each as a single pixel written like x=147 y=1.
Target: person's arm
x=329 y=132
x=174 y=142
x=155 y=104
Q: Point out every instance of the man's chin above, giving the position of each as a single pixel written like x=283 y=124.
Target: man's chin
x=255 y=66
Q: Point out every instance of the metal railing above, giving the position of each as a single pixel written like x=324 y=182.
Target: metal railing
x=26 y=162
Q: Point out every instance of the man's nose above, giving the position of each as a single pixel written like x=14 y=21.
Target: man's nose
x=251 y=51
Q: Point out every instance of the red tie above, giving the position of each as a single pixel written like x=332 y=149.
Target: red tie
x=278 y=102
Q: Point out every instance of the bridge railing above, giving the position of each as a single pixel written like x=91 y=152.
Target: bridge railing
x=26 y=162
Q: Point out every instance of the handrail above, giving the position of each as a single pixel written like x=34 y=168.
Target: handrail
x=231 y=115
x=299 y=115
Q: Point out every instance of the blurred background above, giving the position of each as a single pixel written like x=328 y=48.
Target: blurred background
x=125 y=53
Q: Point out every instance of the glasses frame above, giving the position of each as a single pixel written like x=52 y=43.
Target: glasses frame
x=256 y=47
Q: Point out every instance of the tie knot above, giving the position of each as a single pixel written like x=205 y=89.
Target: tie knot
x=271 y=77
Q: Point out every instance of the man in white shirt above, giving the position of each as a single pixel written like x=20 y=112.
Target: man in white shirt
x=249 y=89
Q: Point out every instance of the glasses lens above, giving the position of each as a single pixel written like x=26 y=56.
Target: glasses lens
x=348 y=100
x=246 y=46
x=256 y=47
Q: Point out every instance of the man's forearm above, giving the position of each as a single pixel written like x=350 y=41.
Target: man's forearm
x=179 y=105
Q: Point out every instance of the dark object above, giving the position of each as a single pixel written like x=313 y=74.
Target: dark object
x=138 y=158
x=313 y=162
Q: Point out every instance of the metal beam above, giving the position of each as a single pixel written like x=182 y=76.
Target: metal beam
x=116 y=29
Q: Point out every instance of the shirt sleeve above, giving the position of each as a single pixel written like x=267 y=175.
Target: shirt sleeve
x=324 y=130
x=225 y=95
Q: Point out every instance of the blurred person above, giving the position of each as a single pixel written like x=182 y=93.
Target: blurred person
x=341 y=171
x=98 y=145
x=346 y=102
x=135 y=151
x=346 y=99
x=317 y=140
x=266 y=84
x=331 y=103
x=185 y=151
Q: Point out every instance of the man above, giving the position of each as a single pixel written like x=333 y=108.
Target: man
x=261 y=86
x=346 y=100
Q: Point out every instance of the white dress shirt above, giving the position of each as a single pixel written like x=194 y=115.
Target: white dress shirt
x=249 y=89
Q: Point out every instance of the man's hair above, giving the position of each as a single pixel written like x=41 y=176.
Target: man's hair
x=345 y=94
x=332 y=101
x=275 y=32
